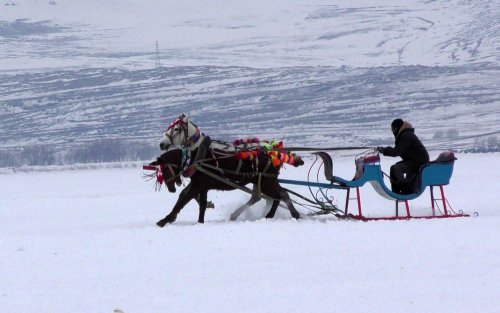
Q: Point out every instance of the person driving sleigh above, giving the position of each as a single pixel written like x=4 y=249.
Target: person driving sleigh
x=412 y=152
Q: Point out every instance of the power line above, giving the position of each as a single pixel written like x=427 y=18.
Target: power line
x=157 y=60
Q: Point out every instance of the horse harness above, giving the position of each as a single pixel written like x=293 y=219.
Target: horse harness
x=203 y=167
x=199 y=161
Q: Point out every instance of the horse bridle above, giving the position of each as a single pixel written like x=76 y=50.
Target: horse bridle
x=182 y=166
x=174 y=175
x=184 y=128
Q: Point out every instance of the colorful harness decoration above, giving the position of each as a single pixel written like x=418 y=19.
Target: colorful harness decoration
x=177 y=121
x=253 y=147
x=159 y=173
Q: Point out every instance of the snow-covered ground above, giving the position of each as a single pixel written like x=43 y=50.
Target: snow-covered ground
x=86 y=241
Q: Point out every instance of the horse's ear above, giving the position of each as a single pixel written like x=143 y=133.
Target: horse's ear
x=183 y=117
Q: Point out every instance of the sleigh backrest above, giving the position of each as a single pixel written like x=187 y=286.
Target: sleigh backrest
x=439 y=171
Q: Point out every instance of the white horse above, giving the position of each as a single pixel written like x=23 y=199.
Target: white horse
x=185 y=134
x=182 y=133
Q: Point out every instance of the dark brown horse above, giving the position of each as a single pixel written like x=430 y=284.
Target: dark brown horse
x=220 y=171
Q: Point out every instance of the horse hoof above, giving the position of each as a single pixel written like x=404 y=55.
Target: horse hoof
x=167 y=220
x=161 y=223
x=233 y=217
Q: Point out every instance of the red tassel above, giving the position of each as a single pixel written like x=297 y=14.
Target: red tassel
x=159 y=174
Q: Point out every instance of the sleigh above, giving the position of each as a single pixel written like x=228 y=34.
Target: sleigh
x=435 y=174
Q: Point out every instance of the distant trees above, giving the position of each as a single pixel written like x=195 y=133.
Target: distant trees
x=490 y=144
x=111 y=150
x=104 y=150
x=8 y=158
x=114 y=150
x=481 y=144
x=438 y=135
x=37 y=155
x=451 y=133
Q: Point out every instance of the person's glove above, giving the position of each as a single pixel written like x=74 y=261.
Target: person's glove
x=380 y=149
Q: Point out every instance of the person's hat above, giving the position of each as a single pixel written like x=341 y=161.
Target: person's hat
x=397 y=123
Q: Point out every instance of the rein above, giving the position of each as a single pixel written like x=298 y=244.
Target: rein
x=225 y=171
x=170 y=168
x=228 y=182
x=174 y=176
x=326 y=149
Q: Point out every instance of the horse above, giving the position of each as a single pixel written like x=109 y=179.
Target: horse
x=220 y=171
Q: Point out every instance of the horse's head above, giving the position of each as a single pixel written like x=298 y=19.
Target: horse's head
x=171 y=163
x=181 y=133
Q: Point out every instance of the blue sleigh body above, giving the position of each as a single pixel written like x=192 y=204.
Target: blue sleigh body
x=434 y=174
x=431 y=174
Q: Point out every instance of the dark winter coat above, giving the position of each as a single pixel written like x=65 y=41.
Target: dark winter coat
x=408 y=147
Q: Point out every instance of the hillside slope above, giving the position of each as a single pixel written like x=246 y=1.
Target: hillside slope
x=40 y=34
x=306 y=105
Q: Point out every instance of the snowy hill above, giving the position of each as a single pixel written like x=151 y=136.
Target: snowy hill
x=331 y=74
x=322 y=105
x=256 y=34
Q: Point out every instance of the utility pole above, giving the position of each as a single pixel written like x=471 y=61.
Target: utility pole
x=157 y=61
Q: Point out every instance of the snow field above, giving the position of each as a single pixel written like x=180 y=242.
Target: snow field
x=85 y=241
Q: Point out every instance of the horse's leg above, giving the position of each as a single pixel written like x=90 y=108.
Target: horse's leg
x=274 y=207
x=269 y=203
x=270 y=188
x=210 y=204
x=286 y=198
x=254 y=199
x=185 y=196
x=203 y=206
x=276 y=192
